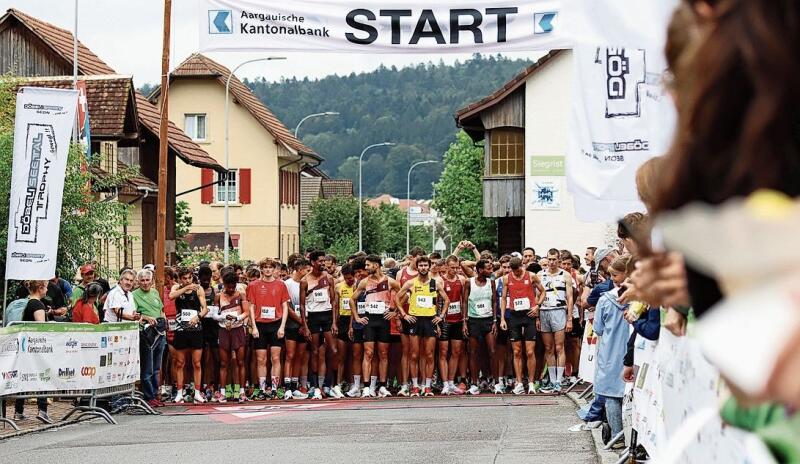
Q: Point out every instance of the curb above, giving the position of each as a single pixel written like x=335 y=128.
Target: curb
x=603 y=456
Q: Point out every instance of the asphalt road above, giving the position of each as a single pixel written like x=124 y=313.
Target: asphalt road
x=431 y=430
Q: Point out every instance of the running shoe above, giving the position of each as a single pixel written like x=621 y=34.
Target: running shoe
x=304 y=390
x=153 y=403
x=18 y=416
x=484 y=385
x=474 y=390
x=365 y=393
x=287 y=395
x=427 y=392
x=532 y=390
x=317 y=394
x=383 y=393
x=354 y=392
x=499 y=389
x=557 y=389
x=337 y=390
x=280 y=393
x=42 y=416
x=199 y=397
x=403 y=391
x=547 y=388
x=178 y=397
x=299 y=395
x=242 y=398
x=462 y=386
x=218 y=398
x=519 y=389
x=446 y=390
x=415 y=391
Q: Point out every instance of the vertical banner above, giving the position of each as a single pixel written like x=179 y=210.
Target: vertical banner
x=588 y=353
x=42 y=130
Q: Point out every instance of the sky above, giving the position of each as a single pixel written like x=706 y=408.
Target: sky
x=127 y=34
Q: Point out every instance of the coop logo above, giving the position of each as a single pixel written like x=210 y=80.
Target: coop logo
x=10 y=347
x=10 y=375
x=40 y=152
x=625 y=74
x=66 y=373
x=71 y=345
x=45 y=375
x=220 y=22
x=88 y=371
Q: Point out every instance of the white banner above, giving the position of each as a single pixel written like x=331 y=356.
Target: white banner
x=42 y=129
x=621 y=116
x=588 y=363
x=49 y=356
x=393 y=26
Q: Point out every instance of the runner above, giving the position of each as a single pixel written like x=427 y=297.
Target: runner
x=356 y=331
x=451 y=336
x=380 y=311
x=297 y=356
x=554 y=319
x=528 y=256
x=231 y=318
x=502 y=357
x=345 y=290
x=422 y=293
x=406 y=274
x=481 y=320
x=574 y=337
x=268 y=301
x=188 y=341
x=210 y=331
x=317 y=304
x=519 y=293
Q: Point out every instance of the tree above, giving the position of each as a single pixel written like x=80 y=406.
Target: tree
x=459 y=194
x=183 y=223
x=334 y=222
x=86 y=218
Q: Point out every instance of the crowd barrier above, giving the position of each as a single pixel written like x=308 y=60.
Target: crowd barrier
x=84 y=362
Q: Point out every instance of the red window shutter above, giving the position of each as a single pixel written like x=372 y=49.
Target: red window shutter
x=206 y=193
x=244 y=186
x=296 y=188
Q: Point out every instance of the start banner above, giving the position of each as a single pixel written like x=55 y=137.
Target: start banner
x=393 y=26
x=51 y=356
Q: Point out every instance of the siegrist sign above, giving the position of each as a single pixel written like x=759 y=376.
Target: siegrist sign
x=390 y=27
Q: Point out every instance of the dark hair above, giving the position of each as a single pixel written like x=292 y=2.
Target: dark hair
x=435 y=255
x=300 y=262
x=737 y=114
x=315 y=255
x=637 y=223
x=482 y=264
x=170 y=272
x=292 y=258
x=515 y=263
x=330 y=258
x=284 y=267
x=184 y=270
x=553 y=251
x=373 y=259
x=204 y=272
x=93 y=290
x=529 y=248
x=416 y=251
x=423 y=259
x=253 y=273
x=347 y=269
x=237 y=267
x=359 y=264
x=230 y=278
x=565 y=254
x=453 y=259
x=534 y=267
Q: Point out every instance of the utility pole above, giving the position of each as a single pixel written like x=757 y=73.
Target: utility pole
x=161 y=221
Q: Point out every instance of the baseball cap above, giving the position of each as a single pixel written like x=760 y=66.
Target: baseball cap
x=150 y=267
x=516 y=254
x=600 y=254
x=87 y=268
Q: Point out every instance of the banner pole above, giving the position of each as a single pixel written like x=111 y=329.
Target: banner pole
x=161 y=219
x=5 y=296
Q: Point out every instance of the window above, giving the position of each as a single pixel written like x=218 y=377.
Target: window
x=195 y=126
x=108 y=157
x=507 y=152
x=232 y=190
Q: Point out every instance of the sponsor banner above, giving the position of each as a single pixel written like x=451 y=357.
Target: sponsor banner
x=42 y=128
x=394 y=26
x=546 y=193
x=39 y=357
x=588 y=353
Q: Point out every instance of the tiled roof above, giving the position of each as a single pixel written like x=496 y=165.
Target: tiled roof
x=107 y=97
x=335 y=188
x=310 y=190
x=198 y=65
x=424 y=205
x=185 y=148
x=60 y=40
x=134 y=185
x=516 y=82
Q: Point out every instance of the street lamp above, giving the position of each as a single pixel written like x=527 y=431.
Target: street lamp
x=227 y=159
x=408 y=201
x=326 y=113
x=360 y=158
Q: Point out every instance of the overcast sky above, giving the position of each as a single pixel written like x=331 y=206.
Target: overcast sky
x=126 y=34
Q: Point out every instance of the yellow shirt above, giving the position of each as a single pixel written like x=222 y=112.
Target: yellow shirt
x=422 y=300
x=345 y=293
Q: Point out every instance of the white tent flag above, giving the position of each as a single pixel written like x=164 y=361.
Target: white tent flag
x=621 y=116
x=390 y=26
x=42 y=129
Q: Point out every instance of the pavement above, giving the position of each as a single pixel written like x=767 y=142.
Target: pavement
x=485 y=428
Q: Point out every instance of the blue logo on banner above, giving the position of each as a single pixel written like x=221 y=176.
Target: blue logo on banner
x=543 y=22
x=220 y=22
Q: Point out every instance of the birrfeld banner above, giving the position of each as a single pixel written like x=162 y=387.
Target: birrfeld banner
x=394 y=26
x=42 y=129
x=51 y=356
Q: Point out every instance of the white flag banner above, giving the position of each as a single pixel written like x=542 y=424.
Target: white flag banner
x=621 y=116
x=392 y=26
x=42 y=129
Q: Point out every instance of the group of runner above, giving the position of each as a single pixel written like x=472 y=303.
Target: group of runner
x=311 y=328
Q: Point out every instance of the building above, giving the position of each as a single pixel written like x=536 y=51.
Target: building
x=265 y=161
x=524 y=129
x=124 y=128
x=420 y=211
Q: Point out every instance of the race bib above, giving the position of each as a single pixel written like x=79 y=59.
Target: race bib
x=267 y=312
x=211 y=311
x=454 y=308
x=424 y=302
x=522 y=304
x=172 y=325
x=551 y=300
x=229 y=312
x=362 y=307
x=345 y=304
x=483 y=308
x=320 y=296
x=376 y=307
x=187 y=315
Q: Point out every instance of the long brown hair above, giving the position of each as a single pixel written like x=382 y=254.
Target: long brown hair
x=738 y=123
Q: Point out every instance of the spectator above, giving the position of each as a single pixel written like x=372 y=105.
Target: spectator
x=16 y=308
x=35 y=311
x=85 y=309
x=87 y=276
x=119 y=305
x=151 y=337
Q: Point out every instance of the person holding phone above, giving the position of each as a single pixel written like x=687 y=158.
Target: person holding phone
x=231 y=319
